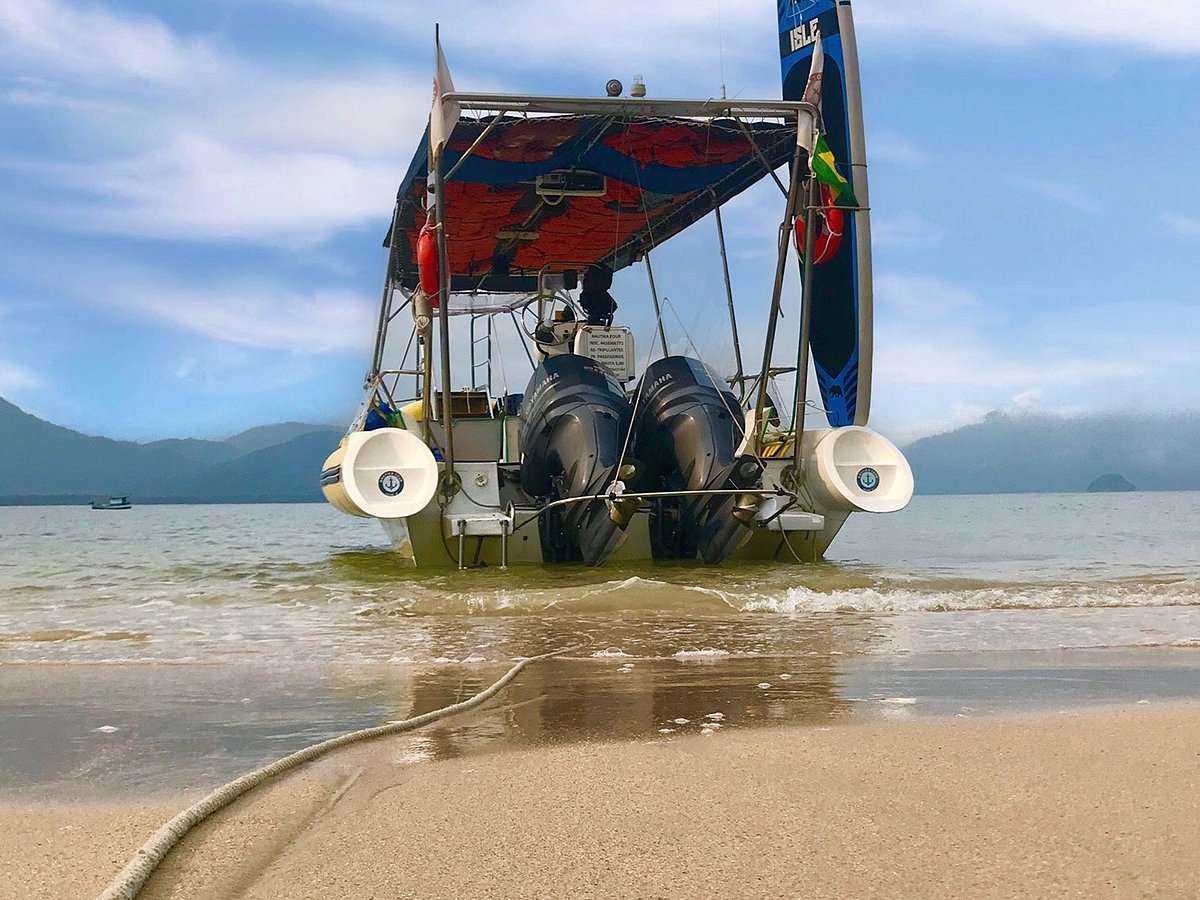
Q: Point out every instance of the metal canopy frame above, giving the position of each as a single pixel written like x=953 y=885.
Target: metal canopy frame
x=505 y=109
x=613 y=108
x=624 y=107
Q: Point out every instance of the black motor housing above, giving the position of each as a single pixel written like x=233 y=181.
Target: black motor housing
x=686 y=432
x=575 y=419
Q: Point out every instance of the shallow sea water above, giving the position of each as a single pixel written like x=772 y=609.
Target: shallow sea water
x=173 y=647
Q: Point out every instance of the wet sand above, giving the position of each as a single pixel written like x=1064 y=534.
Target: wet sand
x=128 y=732
x=1098 y=803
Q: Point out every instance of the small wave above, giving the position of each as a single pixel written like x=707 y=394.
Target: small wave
x=708 y=653
x=934 y=598
x=63 y=635
x=611 y=653
x=785 y=592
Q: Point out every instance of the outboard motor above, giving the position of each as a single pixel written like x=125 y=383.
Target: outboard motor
x=575 y=421
x=685 y=435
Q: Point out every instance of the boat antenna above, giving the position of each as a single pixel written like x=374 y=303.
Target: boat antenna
x=721 y=48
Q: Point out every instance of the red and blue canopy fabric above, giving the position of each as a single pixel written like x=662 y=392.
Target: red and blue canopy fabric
x=661 y=175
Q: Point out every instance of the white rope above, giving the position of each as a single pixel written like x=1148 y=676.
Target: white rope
x=137 y=871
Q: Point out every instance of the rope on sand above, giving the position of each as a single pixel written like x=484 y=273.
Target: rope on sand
x=137 y=871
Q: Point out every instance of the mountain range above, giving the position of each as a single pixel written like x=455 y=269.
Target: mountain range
x=45 y=463
x=1005 y=453
x=1010 y=453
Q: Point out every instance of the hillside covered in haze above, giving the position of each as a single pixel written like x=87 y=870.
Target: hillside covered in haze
x=1034 y=453
x=1006 y=453
x=45 y=463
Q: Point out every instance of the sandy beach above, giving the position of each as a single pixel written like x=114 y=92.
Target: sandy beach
x=1096 y=803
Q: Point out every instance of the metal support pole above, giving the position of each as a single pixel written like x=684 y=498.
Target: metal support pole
x=471 y=337
x=523 y=338
x=662 y=334
x=426 y=387
x=418 y=365
x=385 y=304
x=737 y=346
x=496 y=120
x=802 y=352
x=785 y=238
x=439 y=199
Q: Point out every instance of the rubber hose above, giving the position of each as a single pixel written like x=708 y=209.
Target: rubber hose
x=138 y=870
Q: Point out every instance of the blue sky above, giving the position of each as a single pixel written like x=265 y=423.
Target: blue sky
x=193 y=194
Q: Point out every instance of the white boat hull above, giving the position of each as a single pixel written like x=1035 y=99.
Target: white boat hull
x=476 y=528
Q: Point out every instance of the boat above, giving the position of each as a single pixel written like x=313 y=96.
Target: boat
x=112 y=503
x=513 y=217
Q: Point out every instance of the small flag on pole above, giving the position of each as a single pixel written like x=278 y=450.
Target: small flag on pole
x=444 y=115
x=807 y=124
x=824 y=168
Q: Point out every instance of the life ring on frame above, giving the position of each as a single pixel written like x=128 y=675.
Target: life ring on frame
x=427 y=264
x=831 y=227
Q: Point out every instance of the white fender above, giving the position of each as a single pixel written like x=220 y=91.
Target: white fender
x=388 y=473
x=858 y=470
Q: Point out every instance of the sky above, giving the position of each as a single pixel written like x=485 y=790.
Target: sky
x=193 y=196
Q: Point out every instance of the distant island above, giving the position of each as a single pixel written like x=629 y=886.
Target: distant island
x=42 y=463
x=1112 y=483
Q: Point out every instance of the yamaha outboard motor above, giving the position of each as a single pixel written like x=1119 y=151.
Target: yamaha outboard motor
x=575 y=421
x=686 y=433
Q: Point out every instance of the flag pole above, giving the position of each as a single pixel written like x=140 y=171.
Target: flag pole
x=737 y=345
x=439 y=203
x=773 y=316
x=802 y=352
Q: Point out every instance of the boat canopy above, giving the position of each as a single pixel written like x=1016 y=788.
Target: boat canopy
x=560 y=191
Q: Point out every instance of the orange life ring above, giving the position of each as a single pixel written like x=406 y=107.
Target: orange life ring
x=831 y=226
x=427 y=264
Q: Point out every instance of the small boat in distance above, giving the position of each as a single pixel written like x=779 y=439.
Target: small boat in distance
x=112 y=503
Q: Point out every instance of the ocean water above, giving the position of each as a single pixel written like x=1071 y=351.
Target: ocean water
x=190 y=641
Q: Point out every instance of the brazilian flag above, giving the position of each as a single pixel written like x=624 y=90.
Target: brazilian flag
x=824 y=167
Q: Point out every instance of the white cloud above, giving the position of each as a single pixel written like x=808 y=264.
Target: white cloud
x=15 y=377
x=367 y=115
x=248 y=155
x=1170 y=27
x=1026 y=401
x=957 y=414
x=895 y=148
x=671 y=38
x=255 y=315
x=907 y=230
x=920 y=295
x=1185 y=226
x=955 y=361
x=196 y=187
x=1060 y=192
x=946 y=355
x=637 y=36
x=89 y=40
x=949 y=416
